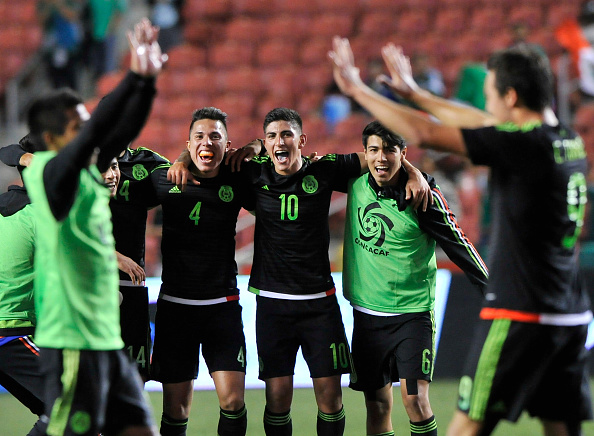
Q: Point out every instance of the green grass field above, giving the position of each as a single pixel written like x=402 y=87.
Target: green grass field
x=15 y=420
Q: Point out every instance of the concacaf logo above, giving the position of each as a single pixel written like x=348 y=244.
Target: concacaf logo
x=373 y=224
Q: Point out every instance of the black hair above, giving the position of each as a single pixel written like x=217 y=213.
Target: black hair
x=209 y=113
x=49 y=114
x=389 y=138
x=527 y=71
x=284 y=114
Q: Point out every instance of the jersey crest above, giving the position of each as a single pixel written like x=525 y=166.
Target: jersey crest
x=139 y=172
x=226 y=193
x=309 y=184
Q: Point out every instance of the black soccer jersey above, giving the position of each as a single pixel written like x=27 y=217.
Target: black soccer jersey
x=135 y=195
x=538 y=196
x=198 y=244
x=292 y=237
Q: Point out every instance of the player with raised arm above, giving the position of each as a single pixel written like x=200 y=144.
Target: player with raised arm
x=394 y=328
x=533 y=323
x=90 y=385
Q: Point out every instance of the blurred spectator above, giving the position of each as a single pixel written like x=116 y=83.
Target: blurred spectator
x=519 y=32
x=335 y=107
x=426 y=76
x=103 y=23
x=576 y=36
x=470 y=83
x=63 y=35
x=167 y=15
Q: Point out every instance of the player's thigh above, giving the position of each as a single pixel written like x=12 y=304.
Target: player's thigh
x=127 y=405
x=563 y=393
x=178 y=330
x=76 y=390
x=276 y=338
x=20 y=373
x=322 y=338
x=135 y=325
x=223 y=341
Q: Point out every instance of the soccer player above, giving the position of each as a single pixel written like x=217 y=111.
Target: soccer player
x=533 y=324
x=291 y=271
x=90 y=385
x=134 y=194
x=198 y=305
x=394 y=331
x=19 y=356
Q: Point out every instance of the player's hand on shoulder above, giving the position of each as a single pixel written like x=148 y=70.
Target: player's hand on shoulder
x=179 y=174
x=235 y=156
x=418 y=191
x=314 y=157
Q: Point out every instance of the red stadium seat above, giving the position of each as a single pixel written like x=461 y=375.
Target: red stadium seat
x=377 y=24
x=340 y=6
x=230 y=54
x=309 y=102
x=559 y=12
x=276 y=52
x=256 y=8
x=272 y=100
x=238 y=105
x=314 y=77
x=245 y=29
x=277 y=27
x=280 y=81
x=314 y=51
x=241 y=79
x=351 y=127
x=487 y=20
x=451 y=22
x=195 y=11
x=328 y=25
x=529 y=14
x=186 y=57
x=412 y=23
x=200 y=32
x=388 y=6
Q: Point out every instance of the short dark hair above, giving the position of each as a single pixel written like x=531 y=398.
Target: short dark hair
x=526 y=70
x=27 y=144
x=389 y=138
x=284 y=114
x=49 y=114
x=209 y=113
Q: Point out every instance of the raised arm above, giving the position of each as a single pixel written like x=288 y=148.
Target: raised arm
x=447 y=111
x=413 y=125
x=131 y=98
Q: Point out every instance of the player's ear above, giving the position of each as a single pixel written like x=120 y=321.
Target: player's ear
x=302 y=140
x=403 y=153
x=188 y=145
x=227 y=146
x=511 y=97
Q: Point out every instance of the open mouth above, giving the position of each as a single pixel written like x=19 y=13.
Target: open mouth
x=282 y=156
x=381 y=169
x=206 y=156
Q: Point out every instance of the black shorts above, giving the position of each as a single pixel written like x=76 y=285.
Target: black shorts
x=90 y=392
x=181 y=329
x=388 y=348
x=136 y=327
x=282 y=326
x=514 y=366
x=20 y=373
